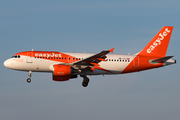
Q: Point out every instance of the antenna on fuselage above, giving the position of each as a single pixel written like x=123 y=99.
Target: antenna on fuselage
x=32 y=50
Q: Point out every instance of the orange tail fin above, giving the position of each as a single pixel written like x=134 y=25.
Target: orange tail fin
x=159 y=44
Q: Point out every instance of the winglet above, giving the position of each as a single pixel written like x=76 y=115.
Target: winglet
x=111 y=50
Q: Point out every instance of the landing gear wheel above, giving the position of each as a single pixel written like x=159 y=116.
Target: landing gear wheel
x=28 y=80
x=85 y=82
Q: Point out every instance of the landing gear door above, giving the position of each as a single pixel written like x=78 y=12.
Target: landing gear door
x=29 y=57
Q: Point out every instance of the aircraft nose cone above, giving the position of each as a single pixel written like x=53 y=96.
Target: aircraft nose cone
x=6 y=63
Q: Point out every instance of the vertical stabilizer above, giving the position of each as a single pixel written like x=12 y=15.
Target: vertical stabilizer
x=159 y=44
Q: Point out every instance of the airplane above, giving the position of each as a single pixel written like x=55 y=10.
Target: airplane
x=65 y=66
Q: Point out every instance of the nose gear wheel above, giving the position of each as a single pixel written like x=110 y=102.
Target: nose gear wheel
x=29 y=79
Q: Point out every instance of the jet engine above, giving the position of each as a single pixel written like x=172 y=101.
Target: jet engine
x=62 y=72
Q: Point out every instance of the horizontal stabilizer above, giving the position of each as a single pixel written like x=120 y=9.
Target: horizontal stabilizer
x=162 y=60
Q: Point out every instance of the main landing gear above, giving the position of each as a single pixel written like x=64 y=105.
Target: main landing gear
x=85 y=81
x=29 y=79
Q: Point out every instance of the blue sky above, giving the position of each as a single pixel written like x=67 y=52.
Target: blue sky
x=88 y=26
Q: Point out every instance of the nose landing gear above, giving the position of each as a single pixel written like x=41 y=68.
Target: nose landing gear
x=29 y=79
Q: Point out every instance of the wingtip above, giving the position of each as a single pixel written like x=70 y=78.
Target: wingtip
x=111 y=50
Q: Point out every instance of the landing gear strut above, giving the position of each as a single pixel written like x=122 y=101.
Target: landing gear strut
x=29 y=79
x=85 y=81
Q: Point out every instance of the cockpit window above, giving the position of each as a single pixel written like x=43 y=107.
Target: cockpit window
x=16 y=56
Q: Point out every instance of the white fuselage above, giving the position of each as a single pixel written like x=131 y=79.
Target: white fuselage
x=115 y=63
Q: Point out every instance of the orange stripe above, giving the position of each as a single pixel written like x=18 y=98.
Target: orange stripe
x=143 y=64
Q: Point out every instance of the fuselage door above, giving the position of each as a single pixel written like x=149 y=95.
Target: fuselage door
x=136 y=61
x=29 y=57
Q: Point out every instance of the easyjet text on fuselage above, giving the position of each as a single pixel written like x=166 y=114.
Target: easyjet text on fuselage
x=47 y=55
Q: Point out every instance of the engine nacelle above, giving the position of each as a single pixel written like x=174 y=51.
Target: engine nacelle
x=61 y=72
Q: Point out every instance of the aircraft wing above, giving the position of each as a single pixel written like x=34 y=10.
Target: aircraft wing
x=93 y=60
